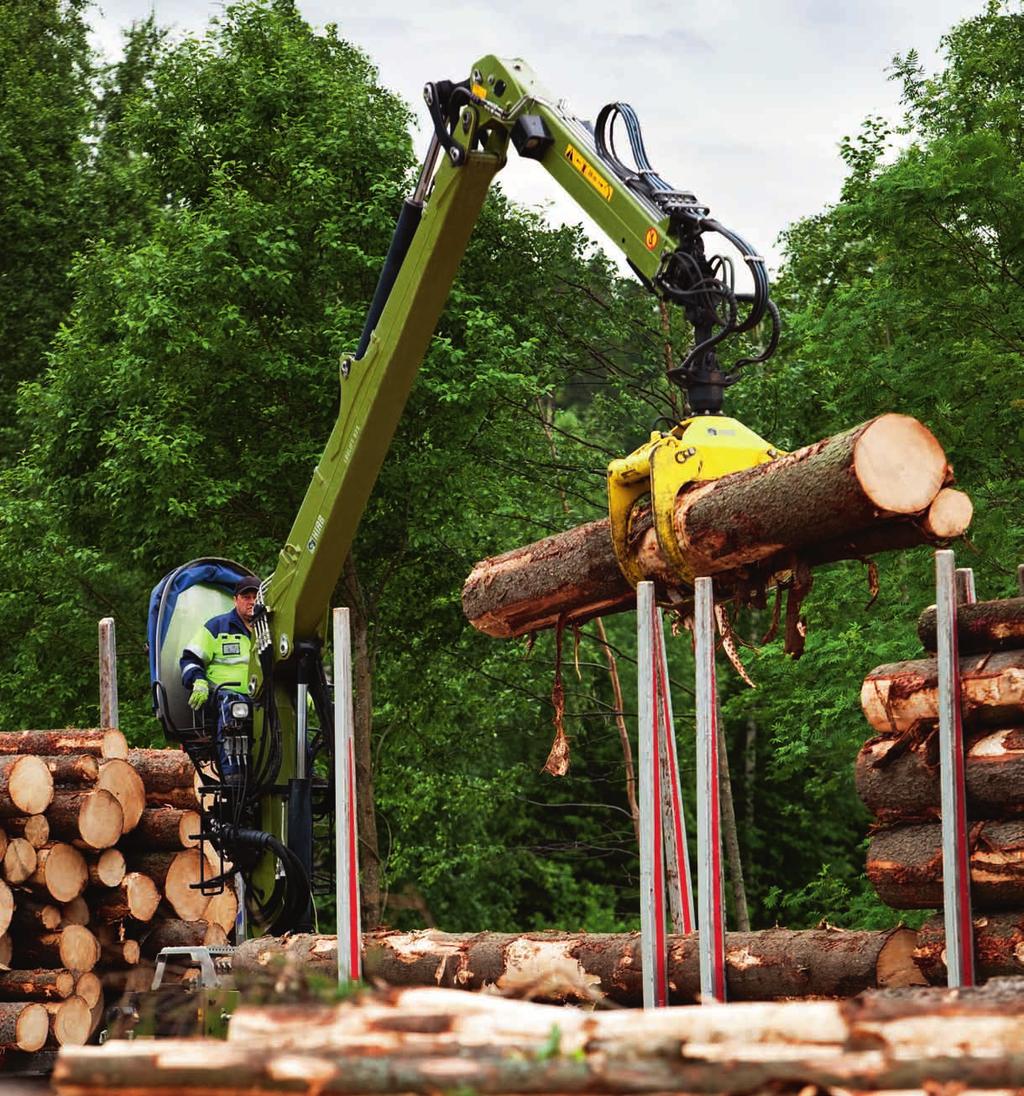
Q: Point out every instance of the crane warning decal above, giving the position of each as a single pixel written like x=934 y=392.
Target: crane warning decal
x=651 y=239
x=594 y=177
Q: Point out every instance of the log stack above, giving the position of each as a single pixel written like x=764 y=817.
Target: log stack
x=897 y=777
x=98 y=853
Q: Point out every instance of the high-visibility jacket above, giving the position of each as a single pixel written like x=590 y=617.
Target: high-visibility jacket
x=219 y=651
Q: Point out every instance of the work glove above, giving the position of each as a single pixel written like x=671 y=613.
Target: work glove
x=200 y=694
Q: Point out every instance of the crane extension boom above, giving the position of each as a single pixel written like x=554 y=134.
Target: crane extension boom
x=660 y=232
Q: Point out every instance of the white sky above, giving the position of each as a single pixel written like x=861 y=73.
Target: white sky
x=744 y=103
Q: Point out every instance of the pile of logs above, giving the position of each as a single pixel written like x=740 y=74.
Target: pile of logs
x=99 y=852
x=438 y=1040
x=897 y=776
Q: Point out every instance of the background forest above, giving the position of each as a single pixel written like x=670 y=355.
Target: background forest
x=188 y=242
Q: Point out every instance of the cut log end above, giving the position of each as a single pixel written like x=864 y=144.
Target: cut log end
x=899 y=464
x=108 y=869
x=62 y=871
x=24 y=1026
x=19 y=860
x=70 y=1022
x=949 y=515
x=29 y=785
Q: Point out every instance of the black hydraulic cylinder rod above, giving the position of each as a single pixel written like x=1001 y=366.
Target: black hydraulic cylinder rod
x=405 y=230
x=300 y=839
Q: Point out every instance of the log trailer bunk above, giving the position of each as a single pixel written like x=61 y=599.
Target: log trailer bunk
x=262 y=824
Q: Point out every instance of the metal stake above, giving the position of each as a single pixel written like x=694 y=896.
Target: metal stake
x=653 y=943
x=956 y=868
x=108 y=674
x=346 y=849
x=709 y=833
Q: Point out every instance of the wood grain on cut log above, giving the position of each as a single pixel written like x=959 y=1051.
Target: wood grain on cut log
x=36 y=985
x=586 y=966
x=125 y=785
x=165 y=828
x=26 y=786
x=93 y=817
x=905 y=865
x=981 y=627
x=174 y=873
x=901 y=696
x=23 y=1025
x=73 y=768
x=949 y=514
x=70 y=1021
x=170 y=932
x=889 y=469
x=20 y=860
x=897 y=776
x=34 y=828
x=137 y=897
x=103 y=742
x=74 y=948
x=107 y=869
x=222 y=909
x=89 y=987
x=60 y=871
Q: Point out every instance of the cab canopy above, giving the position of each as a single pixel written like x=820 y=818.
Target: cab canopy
x=181 y=603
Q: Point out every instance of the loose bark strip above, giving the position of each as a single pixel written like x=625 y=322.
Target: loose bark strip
x=61 y=871
x=983 y=626
x=137 y=897
x=36 y=985
x=73 y=769
x=902 y=696
x=74 y=948
x=162 y=770
x=165 y=828
x=173 y=933
x=107 y=869
x=104 y=742
x=34 y=828
x=826 y=492
x=124 y=783
x=93 y=817
x=26 y=786
x=905 y=865
x=19 y=860
x=70 y=1022
x=897 y=776
x=23 y=1026
x=586 y=966
x=174 y=874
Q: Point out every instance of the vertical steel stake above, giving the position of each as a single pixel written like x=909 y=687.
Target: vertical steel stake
x=346 y=849
x=108 y=674
x=956 y=868
x=653 y=942
x=677 y=853
x=709 y=832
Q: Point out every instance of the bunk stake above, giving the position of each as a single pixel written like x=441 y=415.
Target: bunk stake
x=346 y=847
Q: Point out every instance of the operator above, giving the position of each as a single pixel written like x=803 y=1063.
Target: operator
x=218 y=655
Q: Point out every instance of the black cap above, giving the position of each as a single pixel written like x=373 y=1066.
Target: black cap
x=250 y=582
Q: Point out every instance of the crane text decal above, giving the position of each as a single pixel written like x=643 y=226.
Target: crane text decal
x=596 y=180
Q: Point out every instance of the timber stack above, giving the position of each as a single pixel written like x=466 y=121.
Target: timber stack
x=99 y=852
x=897 y=777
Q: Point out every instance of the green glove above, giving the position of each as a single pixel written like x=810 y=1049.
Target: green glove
x=200 y=694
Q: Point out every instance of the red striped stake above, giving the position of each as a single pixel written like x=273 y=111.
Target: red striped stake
x=711 y=941
x=653 y=940
x=680 y=885
x=956 y=867
x=347 y=837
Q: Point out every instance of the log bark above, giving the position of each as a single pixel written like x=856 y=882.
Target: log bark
x=26 y=786
x=107 y=869
x=826 y=493
x=73 y=769
x=162 y=770
x=182 y=799
x=36 y=985
x=897 y=776
x=173 y=933
x=103 y=742
x=70 y=1022
x=984 y=626
x=75 y=912
x=93 y=817
x=19 y=860
x=905 y=865
x=125 y=785
x=174 y=873
x=165 y=828
x=998 y=947
x=34 y=828
x=902 y=696
x=74 y=948
x=137 y=897
x=588 y=966
x=23 y=1025
x=60 y=871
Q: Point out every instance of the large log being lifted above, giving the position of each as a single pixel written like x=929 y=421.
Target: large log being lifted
x=983 y=626
x=760 y=966
x=868 y=489
x=903 y=696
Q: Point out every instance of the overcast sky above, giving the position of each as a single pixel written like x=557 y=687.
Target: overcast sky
x=742 y=102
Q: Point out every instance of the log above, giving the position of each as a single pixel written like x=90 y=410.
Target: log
x=905 y=865
x=902 y=696
x=173 y=933
x=36 y=985
x=117 y=951
x=74 y=948
x=93 y=817
x=760 y=518
x=23 y=1025
x=124 y=783
x=32 y=916
x=174 y=873
x=26 y=786
x=34 y=828
x=983 y=626
x=75 y=912
x=165 y=828
x=137 y=897
x=6 y=951
x=107 y=869
x=60 y=871
x=70 y=1022
x=765 y=965
x=73 y=769
x=897 y=776
x=6 y=906
x=19 y=860
x=89 y=987
x=998 y=947
x=102 y=742
x=162 y=770
x=182 y=799
x=222 y=910
x=3 y=842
